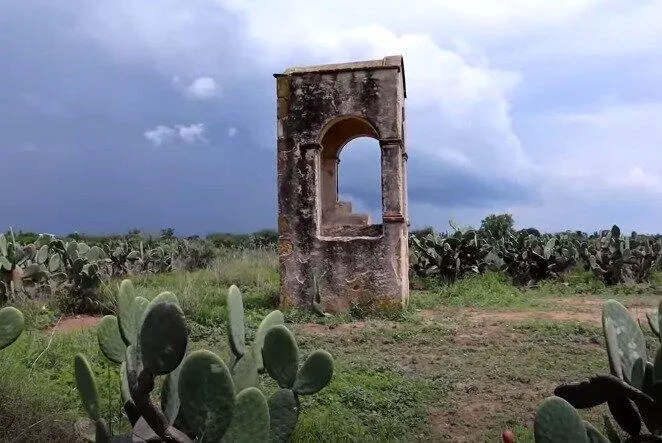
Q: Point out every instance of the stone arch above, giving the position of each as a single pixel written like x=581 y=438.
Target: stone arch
x=338 y=216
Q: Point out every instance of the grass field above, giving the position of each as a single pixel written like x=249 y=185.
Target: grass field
x=463 y=363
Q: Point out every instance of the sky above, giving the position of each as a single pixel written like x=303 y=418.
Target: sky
x=121 y=115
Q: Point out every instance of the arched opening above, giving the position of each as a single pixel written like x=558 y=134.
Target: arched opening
x=360 y=177
x=356 y=141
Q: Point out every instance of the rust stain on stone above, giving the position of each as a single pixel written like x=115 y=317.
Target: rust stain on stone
x=285 y=248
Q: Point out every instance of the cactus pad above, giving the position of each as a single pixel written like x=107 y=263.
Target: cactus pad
x=236 y=332
x=625 y=414
x=170 y=394
x=558 y=422
x=110 y=339
x=125 y=390
x=42 y=255
x=250 y=421
x=315 y=373
x=165 y=297
x=102 y=432
x=125 y=298
x=272 y=319
x=87 y=387
x=11 y=325
x=283 y=414
x=163 y=338
x=133 y=364
x=654 y=321
x=136 y=315
x=281 y=356
x=244 y=372
x=54 y=262
x=629 y=344
x=206 y=393
x=594 y=436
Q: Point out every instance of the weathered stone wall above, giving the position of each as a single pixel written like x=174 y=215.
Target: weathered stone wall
x=362 y=265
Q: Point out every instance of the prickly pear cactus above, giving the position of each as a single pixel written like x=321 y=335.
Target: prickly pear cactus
x=626 y=343
x=87 y=387
x=315 y=373
x=283 y=413
x=281 y=361
x=110 y=340
x=236 y=330
x=272 y=319
x=163 y=338
x=281 y=356
x=12 y=324
x=250 y=421
x=200 y=394
x=558 y=422
x=206 y=393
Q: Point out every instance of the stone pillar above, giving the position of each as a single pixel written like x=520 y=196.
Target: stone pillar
x=320 y=109
x=392 y=182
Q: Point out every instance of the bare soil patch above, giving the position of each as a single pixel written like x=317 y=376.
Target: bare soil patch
x=75 y=323
x=581 y=309
x=344 y=328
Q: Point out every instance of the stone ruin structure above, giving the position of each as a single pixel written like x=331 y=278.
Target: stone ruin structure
x=323 y=245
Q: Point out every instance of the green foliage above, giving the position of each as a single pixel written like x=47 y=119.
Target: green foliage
x=616 y=258
x=201 y=396
x=558 y=422
x=632 y=390
x=448 y=257
x=110 y=340
x=77 y=267
x=12 y=324
x=528 y=259
x=497 y=226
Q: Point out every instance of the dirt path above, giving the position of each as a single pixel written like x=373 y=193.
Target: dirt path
x=492 y=371
x=581 y=309
x=74 y=323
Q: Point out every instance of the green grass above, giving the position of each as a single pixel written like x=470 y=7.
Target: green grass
x=493 y=290
x=38 y=397
x=429 y=374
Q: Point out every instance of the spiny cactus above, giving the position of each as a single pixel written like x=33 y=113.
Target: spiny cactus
x=448 y=257
x=201 y=397
x=12 y=324
x=615 y=258
x=557 y=421
x=275 y=352
x=633 y=389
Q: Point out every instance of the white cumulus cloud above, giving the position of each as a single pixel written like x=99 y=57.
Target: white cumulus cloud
x=162 y=134
x=202 y=88
x=191 y=133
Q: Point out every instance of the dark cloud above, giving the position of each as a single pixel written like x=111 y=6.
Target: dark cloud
x=74 y=154
x=435 y=183
x=80 y=86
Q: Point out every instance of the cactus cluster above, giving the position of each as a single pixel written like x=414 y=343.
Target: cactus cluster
x=616 y=258
x=528 y=258
x=201 y=397
x=21 y=266
x=632 y=390
x=50 y=265
x=448 y=257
